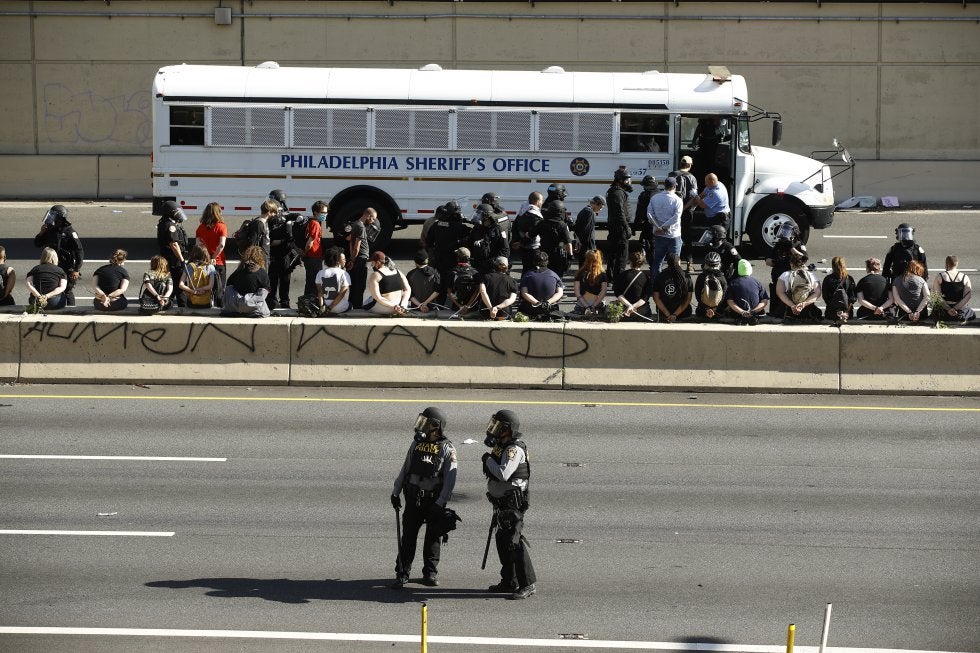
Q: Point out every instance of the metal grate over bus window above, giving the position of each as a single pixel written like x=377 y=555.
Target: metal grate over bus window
x=430 y=129
x=575 y=132
x=423 y=129
x=391 y=128
x=245 y=126
x=493 y=130
x=322 y=127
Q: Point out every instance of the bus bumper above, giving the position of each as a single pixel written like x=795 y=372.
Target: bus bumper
x=821 y=217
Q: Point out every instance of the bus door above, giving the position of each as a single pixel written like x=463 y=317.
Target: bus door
x=710 y=142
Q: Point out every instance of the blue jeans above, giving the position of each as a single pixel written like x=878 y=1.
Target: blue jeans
x=662 y=246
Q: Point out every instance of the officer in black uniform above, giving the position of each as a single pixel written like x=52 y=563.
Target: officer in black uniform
x=618 y=219
x=444 y=238
x=508 y=472
x=427 y=478
x=488 y=239
x=725 y=249
x=904 y=252
x=554 y=237
x=281 y=264
x=641 y=222
x=172 y=240
x=59 y=234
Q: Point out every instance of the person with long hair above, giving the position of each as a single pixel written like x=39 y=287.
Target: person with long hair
x=213 y=234
x=839 y=292
x=248 y=286
x=910 y=293
x=198 y=280
x=8 y=277
x=157 y=290
x=110 y=282
x=46 y=283
x=673 y=290
x=591 y=283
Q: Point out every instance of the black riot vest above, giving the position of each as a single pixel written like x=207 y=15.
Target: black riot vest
x=523 y=471
x=427 y=459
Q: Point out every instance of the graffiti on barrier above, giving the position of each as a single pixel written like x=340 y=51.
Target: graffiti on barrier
x=85 y=117
x=168 y=340
x=531 y=343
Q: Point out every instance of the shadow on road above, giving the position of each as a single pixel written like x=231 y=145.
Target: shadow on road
x=284 y=590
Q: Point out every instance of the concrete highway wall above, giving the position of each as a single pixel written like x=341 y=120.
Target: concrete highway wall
x=411 y=352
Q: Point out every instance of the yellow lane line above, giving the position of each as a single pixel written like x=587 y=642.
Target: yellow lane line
x=523 y=402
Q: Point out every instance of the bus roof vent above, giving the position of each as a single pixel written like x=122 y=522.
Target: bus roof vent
x=431 y=66
x=553 y=69
x=651 y=72
x=270 y=65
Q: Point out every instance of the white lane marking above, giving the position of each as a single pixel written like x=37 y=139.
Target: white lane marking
x=150 y=458
x=101 y=533
x=435 y=639
x=842 y=236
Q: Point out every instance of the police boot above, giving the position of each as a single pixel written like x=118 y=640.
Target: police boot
x=523 y=592
x=503 y=587
x=399 y=582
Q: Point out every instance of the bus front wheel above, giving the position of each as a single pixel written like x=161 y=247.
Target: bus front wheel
x=766 y=219
x=349 y=207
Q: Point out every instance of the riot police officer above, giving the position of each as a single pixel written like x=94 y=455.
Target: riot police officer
x=716 y=237
x=427 y=478
x=444 y=238
x=59 y=234
x=172 y=240
x=641 y=223
x=904 y=252
x=618 y=218
x=554 y=237
x=508 y=472
x=488 y=239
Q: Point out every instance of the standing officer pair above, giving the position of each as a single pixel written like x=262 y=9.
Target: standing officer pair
x=427 y=478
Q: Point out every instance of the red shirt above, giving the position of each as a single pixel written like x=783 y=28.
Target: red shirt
x=314 y=231
x=212 y=239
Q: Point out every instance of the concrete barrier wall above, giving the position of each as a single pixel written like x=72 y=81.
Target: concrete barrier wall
x=704 y=357
x=409 y=352
x=881 y=359
x=103 y=349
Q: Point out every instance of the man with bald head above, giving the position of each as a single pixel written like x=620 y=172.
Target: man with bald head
x=713 y=200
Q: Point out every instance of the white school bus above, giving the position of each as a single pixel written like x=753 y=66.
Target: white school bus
x=408 y=140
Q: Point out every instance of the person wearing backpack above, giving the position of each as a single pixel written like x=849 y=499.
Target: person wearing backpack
x=839 y=292
x=956 y=290
x=7 y=280
x=710 y=288
x=212 y=232
x=59 y=234
x=524 y=242
x=787 y=243
x=464 y=284
x=554 y=237
x=904 y=251
x=198 y=280
x=799 y=291
x=312 y=245
x=746 y=298
x=687 y=189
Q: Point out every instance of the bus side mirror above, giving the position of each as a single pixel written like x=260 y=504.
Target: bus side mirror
x=777 y=132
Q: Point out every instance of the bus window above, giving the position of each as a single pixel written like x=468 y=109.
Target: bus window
x=186 y=125
x=642 y=132
x=560 y=131
x=493 y=130
x=744 y=142
x=322 y=127
x=247 y=126
x=411 y=129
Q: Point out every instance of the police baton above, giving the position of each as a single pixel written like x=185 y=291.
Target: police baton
x=486 y=550
x=398 y=531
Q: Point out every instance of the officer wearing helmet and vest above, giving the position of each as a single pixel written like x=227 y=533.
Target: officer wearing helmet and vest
x=641 y=223
x=172 y=241
x=716 y=242
x=426 y=478
x=904 y=252
x=59 y=234
x=618 y=220
x=508 y=472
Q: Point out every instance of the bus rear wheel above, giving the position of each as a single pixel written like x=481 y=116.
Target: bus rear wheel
x=349 y=206
x=766 y=219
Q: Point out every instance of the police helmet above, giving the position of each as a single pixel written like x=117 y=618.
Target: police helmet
x=718 y=232
x=621 y=175
x=712 y=260
x=501 y=423
x=55 y=213
x=788 y=231
x=429 y=419
x=904 y=231
x=557 y=191
x=278 y=195
x=172 y=210
x=453 y=212
x=485 y=213
x=490 y=198
x=443 y=522
x=649 y=182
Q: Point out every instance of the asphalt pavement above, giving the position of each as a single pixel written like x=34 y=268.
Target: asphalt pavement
x=257 y=519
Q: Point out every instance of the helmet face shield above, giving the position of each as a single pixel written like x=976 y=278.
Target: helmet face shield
x=905 y=233
x=497 y=429
x=425 y=424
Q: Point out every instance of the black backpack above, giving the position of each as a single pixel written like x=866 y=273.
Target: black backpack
x=465 y=284
x=550 y=233
x=524 y=226
x=297 y=227
x=838 y=301
x=247 y=235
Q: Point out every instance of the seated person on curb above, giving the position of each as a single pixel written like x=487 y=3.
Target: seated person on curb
x=746 y=298
x=673 y=291
x=46 y=282
x=110 y=282
x=839 y=292
x=157 y=288
x=541 y=289
x=7 y=280
x=956 y=290
x=424 y=281
x=463 y=288
x=910 y=293
x=198 y=280
x=590 y=285
x=248 y=286
x=874 y=295
x=632 y=289
x=710 y=288
x=498 y=291
x=799 y=291
x=387 y=288
x=333 y=283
